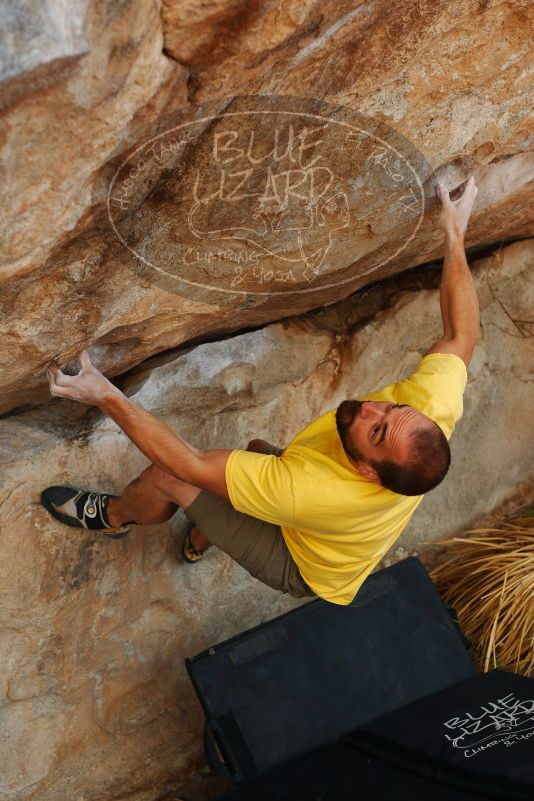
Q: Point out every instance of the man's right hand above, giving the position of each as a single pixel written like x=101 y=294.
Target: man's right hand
x=88 y=386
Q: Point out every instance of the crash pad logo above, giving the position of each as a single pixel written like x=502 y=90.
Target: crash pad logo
x=505 y=721
x=265 y=195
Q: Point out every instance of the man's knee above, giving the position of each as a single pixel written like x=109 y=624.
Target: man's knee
x=174 y=490
x=165 y=484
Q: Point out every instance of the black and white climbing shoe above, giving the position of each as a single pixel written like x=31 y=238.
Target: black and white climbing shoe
x=82 y=509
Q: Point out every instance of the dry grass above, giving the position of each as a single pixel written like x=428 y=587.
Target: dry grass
x=487 y=575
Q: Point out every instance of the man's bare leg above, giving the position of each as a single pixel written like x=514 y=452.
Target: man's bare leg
x=154 y=496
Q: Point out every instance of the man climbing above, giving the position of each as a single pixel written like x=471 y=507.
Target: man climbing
x=317 y=517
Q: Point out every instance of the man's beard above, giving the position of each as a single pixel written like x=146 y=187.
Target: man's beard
x=345 y=415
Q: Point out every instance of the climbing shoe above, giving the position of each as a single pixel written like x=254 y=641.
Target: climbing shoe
x=191 y=554
x=82 y=509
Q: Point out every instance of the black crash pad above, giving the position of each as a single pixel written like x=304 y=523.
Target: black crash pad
x=307 y=677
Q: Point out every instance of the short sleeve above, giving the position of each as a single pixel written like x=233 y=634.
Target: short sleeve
x=261 y=485
x=435 y=388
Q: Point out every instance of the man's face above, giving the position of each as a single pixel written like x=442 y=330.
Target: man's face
x=374 y=431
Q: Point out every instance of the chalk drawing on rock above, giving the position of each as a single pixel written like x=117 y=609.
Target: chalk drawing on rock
x=264 y=195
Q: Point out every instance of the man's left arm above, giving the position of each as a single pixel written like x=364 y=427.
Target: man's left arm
x=458 y=299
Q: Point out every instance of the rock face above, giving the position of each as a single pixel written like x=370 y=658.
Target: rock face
x=95 y=702
x=423 y=92
x=176 y=172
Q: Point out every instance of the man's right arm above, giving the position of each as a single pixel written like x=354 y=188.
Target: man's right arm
x=165 y=447
x=160 y=443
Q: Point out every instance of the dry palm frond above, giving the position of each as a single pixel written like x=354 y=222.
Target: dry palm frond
x=488 y=577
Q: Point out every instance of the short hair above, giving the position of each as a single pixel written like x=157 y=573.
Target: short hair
x=426 y=466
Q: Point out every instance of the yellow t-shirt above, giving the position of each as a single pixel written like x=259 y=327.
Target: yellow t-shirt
x=337 y=524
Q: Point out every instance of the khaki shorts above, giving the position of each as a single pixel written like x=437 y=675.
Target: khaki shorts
x=257 y=546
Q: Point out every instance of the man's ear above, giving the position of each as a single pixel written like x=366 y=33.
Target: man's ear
x=367 y=471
